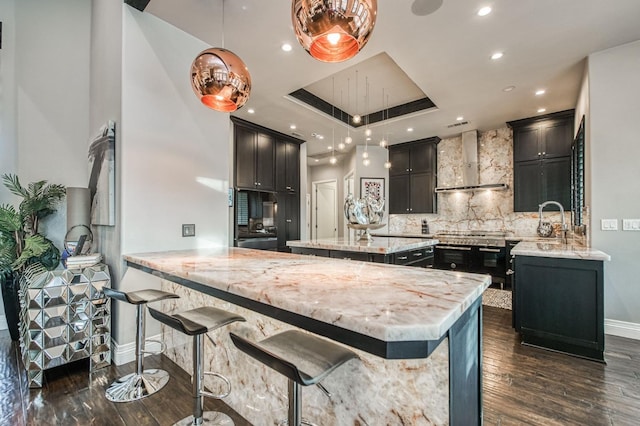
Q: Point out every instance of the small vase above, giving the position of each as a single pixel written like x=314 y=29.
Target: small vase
x=10 y=283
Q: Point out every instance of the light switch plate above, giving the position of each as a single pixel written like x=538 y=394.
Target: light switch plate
x=188 y=230
x=609 y=224
x=631 y=224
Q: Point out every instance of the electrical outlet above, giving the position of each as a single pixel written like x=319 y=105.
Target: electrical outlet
x=188 y=230
x=631 y=224
x=609 y=224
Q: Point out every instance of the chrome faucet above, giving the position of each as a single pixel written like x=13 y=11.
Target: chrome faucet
x=563 y=225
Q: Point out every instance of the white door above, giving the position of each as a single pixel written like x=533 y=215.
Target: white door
x=325 y=210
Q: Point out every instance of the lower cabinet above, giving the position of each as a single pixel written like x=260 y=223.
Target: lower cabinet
x=422 y=257
x=559 y=304
x=288 y=219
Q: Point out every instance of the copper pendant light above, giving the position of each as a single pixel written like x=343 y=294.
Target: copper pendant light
x=220 y=79
x=331 y=30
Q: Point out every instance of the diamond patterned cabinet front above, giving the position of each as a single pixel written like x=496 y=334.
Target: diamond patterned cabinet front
x=64 y=317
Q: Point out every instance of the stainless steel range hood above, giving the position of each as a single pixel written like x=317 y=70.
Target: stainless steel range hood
x=470 y=167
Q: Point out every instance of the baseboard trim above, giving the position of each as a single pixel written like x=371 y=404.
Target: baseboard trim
x=3 y=322
x=630 y=330
x=123 y=354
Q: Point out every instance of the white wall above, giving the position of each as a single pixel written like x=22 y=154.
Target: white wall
x=44 y=96
x=614 y=93
x=174 y=152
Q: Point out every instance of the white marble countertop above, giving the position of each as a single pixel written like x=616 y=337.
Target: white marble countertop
x=387 y=302
x=554 y=248
x=401 y=235
x=380 y=245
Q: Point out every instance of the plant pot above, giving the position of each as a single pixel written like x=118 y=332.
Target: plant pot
x=10 y=283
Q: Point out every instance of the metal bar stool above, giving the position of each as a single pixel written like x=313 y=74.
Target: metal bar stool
x=303 y=358
x=197 y=322
x=141 y=383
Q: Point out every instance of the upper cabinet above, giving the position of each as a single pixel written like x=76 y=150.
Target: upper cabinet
x=542 y=160
x=287 y=166
x=255 y=159
x=412 y=177
x=265 y=160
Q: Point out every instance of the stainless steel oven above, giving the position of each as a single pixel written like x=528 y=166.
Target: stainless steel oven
x=481 y=252
x=453 y=257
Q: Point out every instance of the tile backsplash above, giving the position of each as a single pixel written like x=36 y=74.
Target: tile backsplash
x=478 y=210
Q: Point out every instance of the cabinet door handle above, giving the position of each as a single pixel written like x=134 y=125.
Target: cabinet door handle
x=417 y=254
x=490 y=250
x=454 y=248
x=288 y=220
x=403 y=257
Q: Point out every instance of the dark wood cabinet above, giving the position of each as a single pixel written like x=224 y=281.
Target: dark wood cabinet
x=542 y=160
x=421 y=258
x=412 y=177
x=288 y=219
x=559 y=304
x=287 y=166
x=255 y=159
x=269 y=161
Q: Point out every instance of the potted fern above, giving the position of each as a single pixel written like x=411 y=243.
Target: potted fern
x=20 y=242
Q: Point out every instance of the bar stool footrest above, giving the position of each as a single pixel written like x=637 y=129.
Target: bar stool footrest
x=212 y=395
x=163 y=347
x=208 y=418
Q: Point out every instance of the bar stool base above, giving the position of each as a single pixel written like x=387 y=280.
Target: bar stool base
x=137 y=386
x=208 y=418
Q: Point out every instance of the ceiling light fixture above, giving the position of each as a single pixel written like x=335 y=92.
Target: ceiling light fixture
x=410 y=129
x=542 y=109
x=365 y=155
x=497 y=55
x=508 y=88
x=348 y=139
x=292 y=127
x=460 y=118
x=356 y=118
x=383 y=141
x=333 y=31
x=220 y=79
x=286 y=47
x=333 y=159
x=251 y=110
x=484 y=11
x=540 y=92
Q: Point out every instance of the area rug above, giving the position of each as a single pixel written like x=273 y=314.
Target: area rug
x=497 y=298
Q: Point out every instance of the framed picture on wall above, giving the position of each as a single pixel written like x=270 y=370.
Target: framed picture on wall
x=373 y=187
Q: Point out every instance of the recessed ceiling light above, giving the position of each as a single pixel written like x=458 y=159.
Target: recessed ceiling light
x=316 y=160
x=542 y=109
x=484 y=11
x=540 y=92
x=292 y=127
x=286 y=47
x=508 y=88
x=329 y=147
x=497 y=55
x=459 y=118
x=320 y=137
x=251 y=111
x=368 y=138
x=410 y=129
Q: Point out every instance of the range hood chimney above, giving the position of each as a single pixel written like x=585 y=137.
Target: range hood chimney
x=470 y=171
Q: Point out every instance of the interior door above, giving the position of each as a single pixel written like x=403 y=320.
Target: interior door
x=325 y=209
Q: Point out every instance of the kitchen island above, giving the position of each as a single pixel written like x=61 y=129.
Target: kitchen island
x=417 y=332
x=559 y=297
x=399 y=251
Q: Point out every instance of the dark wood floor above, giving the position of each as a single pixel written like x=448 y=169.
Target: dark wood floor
x=522 y=386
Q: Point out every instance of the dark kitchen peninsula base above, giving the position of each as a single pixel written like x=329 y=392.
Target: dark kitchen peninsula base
x=560 y=304
x=422 y=257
